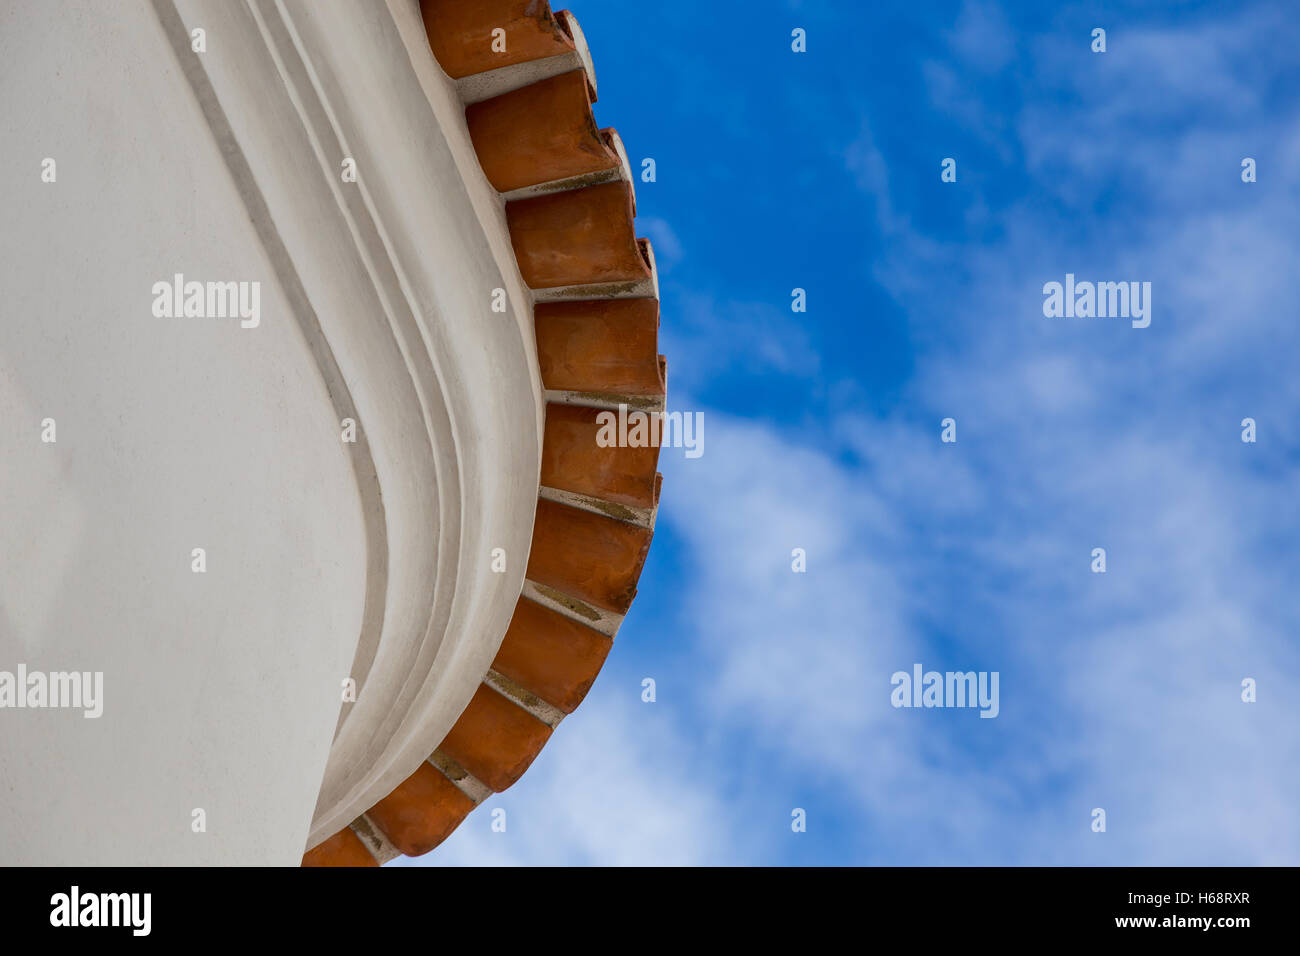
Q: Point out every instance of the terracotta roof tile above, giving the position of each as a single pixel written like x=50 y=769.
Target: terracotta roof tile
x=342 y=849
x=552 y=655
x=580 y=237
x=495 y=739
x=590 y=557
x=573 y=459
x=421 y=812
x=600 y=347
x=460 y=33
x=539 y=133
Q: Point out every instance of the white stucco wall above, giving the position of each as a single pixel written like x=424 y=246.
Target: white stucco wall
x=324 y=559
x=172 y=434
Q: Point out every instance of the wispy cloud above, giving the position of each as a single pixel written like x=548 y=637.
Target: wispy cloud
x=618 y=784
x=668 y=248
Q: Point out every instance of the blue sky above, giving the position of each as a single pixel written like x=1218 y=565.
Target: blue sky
x=1121 y=690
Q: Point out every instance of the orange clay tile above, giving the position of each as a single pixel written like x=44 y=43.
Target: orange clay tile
x=460 y=33
x=578 y=237
x=553 y=656
x=605 y=346
x=573 y=459
x=495 y=739
x=538 y=134
x=590 y=557
x=421 y=812
x=342 y=849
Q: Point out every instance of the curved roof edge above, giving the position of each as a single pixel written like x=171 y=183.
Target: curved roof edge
x=528 y=83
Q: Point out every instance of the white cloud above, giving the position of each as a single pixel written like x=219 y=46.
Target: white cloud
x=616 y=785
x=668 y=248
x=706 y=339
x=982 y=36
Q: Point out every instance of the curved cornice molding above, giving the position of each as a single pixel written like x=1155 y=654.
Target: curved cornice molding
x=392 y=280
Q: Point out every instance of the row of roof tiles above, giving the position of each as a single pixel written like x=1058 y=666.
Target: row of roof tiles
x=570 y=209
